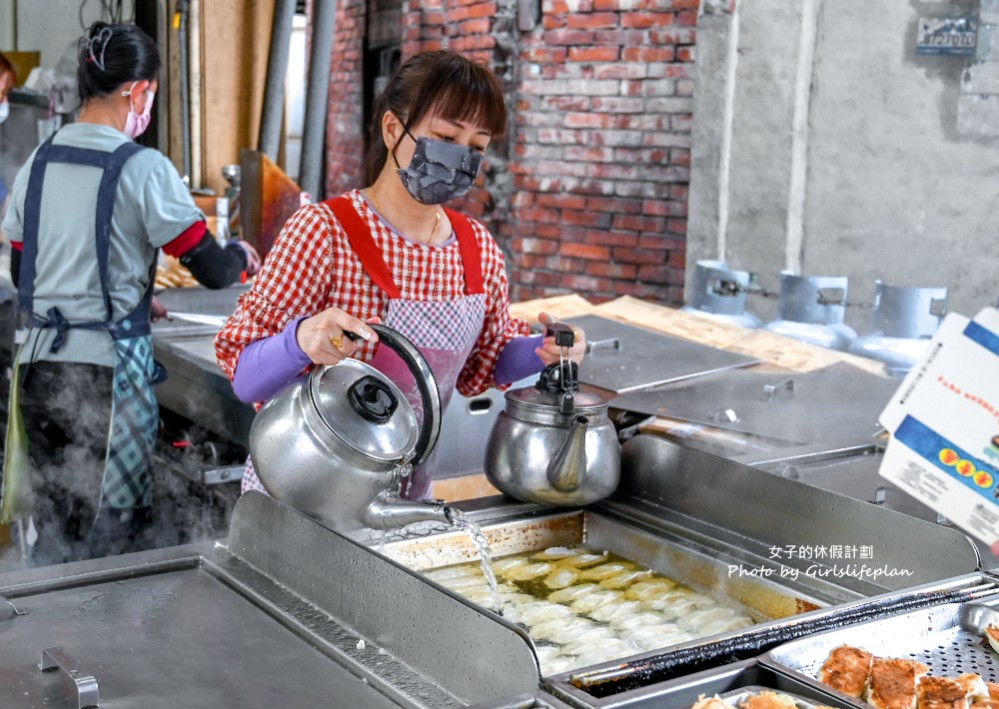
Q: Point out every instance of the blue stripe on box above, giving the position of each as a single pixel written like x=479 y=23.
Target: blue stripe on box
x=984 y=337
x=928 y=443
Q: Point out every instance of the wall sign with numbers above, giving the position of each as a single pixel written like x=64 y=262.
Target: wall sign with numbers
x=947 y=35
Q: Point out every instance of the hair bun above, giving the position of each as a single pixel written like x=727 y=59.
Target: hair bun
x=95 y=43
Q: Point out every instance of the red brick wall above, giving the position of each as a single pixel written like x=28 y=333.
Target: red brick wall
x=344 y=121
x=588 y=191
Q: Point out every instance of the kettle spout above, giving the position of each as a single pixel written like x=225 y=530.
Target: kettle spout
x=389 y=510
x=565 y=470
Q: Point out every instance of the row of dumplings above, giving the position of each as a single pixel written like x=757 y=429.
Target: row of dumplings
x=586 y=609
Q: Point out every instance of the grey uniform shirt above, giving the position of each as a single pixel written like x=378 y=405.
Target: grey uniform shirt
x=152 y=207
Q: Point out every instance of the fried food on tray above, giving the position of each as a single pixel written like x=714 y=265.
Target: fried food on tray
x=992 y=635
x=893 y=683
x=768 y=700
x=974 y=686
x=991 y=701
x=942 y=693
x=714 y=702
x=171 y=273
x=847 y=669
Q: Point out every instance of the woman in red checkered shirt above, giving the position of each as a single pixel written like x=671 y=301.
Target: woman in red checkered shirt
x=391 y=253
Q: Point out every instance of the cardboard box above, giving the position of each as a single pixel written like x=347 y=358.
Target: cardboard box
x=944 y=426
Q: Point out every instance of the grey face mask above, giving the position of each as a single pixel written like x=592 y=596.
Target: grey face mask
x=439 y=171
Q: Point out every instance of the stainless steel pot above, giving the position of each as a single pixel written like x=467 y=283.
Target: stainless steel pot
x=336 y=443
x=554 y=444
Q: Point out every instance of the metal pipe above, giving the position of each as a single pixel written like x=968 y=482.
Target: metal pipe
x=185 y=106
x=194 y=86
x=317 y=96
x=277 y=67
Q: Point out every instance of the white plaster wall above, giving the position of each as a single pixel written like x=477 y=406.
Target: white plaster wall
x=894 y=192
x=761 y=135
x=893 y=188
x=49 y=26
x=6 y=24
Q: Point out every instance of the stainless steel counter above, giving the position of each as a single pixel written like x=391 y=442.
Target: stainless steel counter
x=195 y=387
x=179 y=637
x=286 y=613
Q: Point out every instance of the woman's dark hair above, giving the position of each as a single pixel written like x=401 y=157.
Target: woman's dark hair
x=7 y=67
x=436 y=81
x=111 y=55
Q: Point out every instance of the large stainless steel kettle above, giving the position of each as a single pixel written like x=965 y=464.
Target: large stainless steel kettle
x=336 y=444
x=554 y=444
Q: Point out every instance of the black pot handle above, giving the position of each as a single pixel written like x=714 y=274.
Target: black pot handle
x=425 y=380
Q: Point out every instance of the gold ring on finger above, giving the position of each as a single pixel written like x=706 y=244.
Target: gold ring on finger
x=337 y=341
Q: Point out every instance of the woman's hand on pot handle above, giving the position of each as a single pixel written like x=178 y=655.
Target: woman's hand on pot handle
x=253 y=260
x=322 y=336
x=157 y=311
x=550 y=353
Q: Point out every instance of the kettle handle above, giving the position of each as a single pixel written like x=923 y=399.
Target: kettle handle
x=425 y=380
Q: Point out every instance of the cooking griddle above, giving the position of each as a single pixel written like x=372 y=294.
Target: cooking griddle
x=181 y=638
x=624 y=358
x=284 y=613
x=831 y=404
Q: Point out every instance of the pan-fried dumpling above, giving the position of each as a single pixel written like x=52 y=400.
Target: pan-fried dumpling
x=526 y=572
x=567 y=595
x=555 y=553
x=583 y=559
x=589 y=602
x=625 y=579
x=561 y=577
x=650 y=589
x=599 y=573
x=617 y=609
x=502 y=566
x=625 y=624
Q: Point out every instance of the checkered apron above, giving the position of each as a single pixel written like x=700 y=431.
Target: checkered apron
x=127 y=479
x=444 y=331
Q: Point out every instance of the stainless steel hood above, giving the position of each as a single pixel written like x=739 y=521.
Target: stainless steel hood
x=623 y=358
x=830 y=405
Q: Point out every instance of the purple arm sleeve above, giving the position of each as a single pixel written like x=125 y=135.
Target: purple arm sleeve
x=518 y=359
x=266 y=366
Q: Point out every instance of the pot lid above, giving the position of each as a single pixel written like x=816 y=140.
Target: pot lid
x=365 y=410
x=583 y=401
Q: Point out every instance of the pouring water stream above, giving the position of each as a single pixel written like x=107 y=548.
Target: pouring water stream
x=478 y=538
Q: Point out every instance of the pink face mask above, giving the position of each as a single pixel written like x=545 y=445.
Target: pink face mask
x=136 y=123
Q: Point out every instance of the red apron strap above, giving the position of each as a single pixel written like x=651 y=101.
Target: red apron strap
x=359 y=236
x=471 y=254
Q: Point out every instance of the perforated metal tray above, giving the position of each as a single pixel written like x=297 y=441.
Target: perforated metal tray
x=948 y=638
x=732 y=683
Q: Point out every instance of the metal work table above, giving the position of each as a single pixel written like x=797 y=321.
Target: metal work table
x=195 y=386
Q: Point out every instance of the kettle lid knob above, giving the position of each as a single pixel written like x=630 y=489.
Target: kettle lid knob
x=372 y=399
